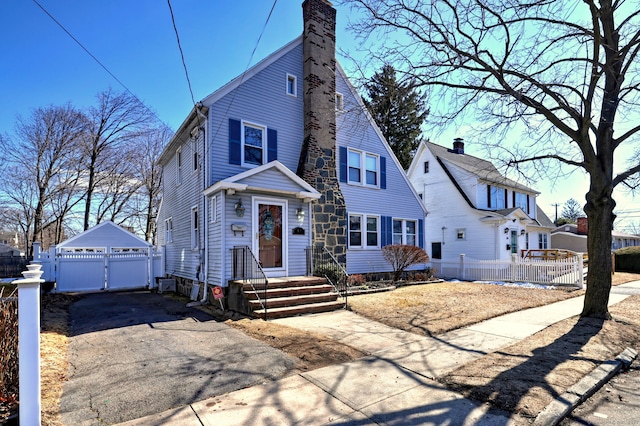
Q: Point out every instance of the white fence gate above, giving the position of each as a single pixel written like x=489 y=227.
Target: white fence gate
x=569 y=271
x=79 y=270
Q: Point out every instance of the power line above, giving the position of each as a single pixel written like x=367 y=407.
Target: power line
x=184 y=64
x=273 y=6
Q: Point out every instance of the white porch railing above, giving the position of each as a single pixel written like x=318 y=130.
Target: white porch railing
x=568 y=271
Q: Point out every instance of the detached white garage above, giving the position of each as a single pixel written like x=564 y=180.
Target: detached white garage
x=105 y=257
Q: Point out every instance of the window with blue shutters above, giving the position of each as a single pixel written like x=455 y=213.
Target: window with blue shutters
x=362 y=168
x=251 y=144
x=364 y=231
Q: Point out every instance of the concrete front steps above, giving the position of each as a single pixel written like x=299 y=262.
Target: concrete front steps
x=291 y=296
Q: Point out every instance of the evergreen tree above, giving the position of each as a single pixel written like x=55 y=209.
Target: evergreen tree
x=398 y=110
x=571 y=211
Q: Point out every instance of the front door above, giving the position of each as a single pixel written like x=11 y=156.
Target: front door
x=270 y=244
x=514 y=241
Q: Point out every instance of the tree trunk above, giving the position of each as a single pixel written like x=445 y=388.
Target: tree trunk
x=599 y=210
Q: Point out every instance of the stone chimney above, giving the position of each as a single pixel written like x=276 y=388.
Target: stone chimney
x=458 y=146
x=317 y=164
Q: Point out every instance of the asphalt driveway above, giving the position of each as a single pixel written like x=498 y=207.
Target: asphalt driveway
x=138 y=353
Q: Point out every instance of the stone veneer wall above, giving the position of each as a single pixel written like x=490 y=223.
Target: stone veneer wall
x=318 y=156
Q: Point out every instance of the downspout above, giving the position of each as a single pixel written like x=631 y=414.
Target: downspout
x=205 y=227
x=204 y=263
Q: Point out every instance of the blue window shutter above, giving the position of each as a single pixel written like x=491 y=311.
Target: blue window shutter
x=235 y=142
x=386 y=229
x=383 y=173
x=343 y=163
x=272 y=144
x=421 y=233
x=383 y=231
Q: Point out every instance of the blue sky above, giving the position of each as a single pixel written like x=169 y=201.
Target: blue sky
x=41 y=65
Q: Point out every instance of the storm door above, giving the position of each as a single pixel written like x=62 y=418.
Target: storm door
x=270 y=236
x=514 y=241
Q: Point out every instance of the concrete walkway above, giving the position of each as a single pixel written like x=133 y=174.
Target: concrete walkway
x=393 y=385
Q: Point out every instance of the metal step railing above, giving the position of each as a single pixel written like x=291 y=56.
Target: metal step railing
x=247 y=269
x=322 y=263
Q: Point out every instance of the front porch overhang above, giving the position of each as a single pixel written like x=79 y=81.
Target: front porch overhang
x=234 y=184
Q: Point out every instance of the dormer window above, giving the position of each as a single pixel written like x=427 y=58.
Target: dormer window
x=292 y=85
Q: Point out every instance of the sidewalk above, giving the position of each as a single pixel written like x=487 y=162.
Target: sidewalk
x=393 y=385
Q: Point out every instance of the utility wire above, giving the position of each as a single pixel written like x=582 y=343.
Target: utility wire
x=184 y=64
x=104 y=67
x=273 y=6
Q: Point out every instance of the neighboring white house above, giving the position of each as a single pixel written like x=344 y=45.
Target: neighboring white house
x=473 y=209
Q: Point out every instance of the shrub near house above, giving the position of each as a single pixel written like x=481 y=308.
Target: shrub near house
x=628 y=259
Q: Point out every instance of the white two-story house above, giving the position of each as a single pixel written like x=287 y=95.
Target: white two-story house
x=473 y=209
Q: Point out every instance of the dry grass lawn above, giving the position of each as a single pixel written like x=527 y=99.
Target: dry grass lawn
x=522 y=378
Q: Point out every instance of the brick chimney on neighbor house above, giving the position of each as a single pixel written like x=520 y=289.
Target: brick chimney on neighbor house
x=317 y=164
x=583 y=226
x=458 y=146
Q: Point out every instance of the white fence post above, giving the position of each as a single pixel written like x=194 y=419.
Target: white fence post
x=514 y=267
x=29 y=348
x=462 y=274
x=581 y=270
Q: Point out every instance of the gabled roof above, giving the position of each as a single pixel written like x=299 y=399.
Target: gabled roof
x=235 y=182
x=106 y=234
x=543 y=219
x=236 y=82
x=483 y=169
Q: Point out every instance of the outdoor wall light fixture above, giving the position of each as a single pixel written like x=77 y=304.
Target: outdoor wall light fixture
x=506 y=230
x=300 y=214
x=239 y=208
x=522 y=232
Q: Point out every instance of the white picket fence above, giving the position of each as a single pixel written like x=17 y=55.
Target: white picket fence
x=560 y=272
x=101 y=269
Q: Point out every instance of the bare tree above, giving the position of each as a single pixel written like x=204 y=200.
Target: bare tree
x=150 y=146
x=116 y=119
x=565 y=71
x=44 y=150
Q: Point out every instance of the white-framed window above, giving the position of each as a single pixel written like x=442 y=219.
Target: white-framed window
x=292 y=87
x=194 y=154
x=404 y=232
x=496 y=197
x=254 y=142
x=426 y=167
x=363 y=168
x=542 y=241
x=168 y=230
x=364 y=231
x=521 y=200
x=179 y=166
x=195 y=236
x=339 y=101
x=461 y=234
x=213 y=209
